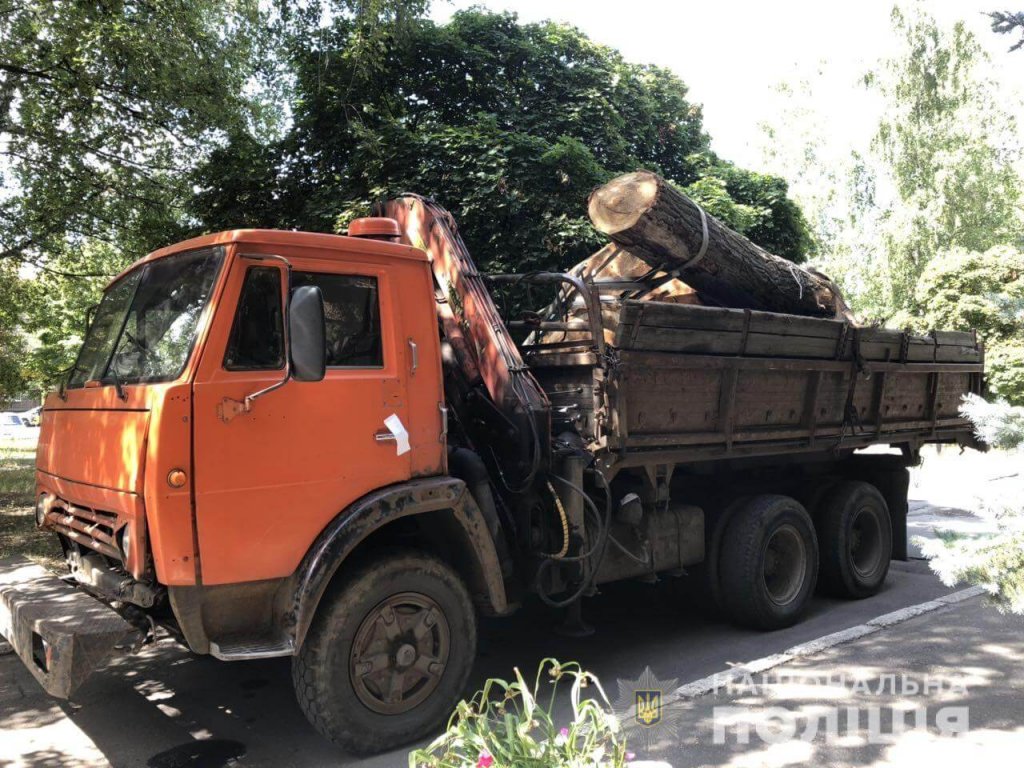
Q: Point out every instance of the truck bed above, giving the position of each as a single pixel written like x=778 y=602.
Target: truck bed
x=694 y=383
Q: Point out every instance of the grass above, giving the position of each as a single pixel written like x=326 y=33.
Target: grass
x=18 y=533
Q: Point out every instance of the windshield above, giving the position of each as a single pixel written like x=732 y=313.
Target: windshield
x=145 y=326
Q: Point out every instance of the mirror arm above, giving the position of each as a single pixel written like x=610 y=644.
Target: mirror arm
x=229 y=407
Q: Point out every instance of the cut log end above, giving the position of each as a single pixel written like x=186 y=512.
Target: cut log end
x=620 y=203
x=643 y=214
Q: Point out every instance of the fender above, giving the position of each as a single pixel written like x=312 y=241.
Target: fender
x=375 y=510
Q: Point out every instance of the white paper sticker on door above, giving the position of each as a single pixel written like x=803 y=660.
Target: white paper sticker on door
x=397 y=428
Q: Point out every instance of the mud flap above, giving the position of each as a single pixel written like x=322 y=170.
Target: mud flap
x=62 y=634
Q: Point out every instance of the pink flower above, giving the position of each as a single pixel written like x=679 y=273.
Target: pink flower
x=485 y=760
x=630 y=757
x=564 y=733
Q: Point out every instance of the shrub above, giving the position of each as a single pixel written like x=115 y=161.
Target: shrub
x=1004 y=371
x=964 y=290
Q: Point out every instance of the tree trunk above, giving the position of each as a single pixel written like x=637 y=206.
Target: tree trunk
x=645 y=215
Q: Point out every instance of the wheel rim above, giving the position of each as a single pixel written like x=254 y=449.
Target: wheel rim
x=785 y=559
x=399 y=653
x=865 y=542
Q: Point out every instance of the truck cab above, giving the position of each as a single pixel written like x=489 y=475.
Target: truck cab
x=151 y=454
x=197 y=468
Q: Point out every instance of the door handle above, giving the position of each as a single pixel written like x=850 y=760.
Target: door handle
x=414 y=354
x=394 y=432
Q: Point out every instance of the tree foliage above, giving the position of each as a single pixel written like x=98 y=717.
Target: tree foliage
x=128 y=125
x=1004 y=370
x=951 y=150
x=966 y=290
x=12 y=343
x=105 y=107
x=509 y=125
x=1008 y=23
x=941 y=171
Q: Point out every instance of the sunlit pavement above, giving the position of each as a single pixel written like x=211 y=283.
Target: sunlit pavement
x=943 y=689
x=165 y=708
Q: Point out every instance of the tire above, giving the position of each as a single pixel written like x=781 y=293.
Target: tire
x=855 y=531
x=768 y=562
x=811 y=497
x=391 y=615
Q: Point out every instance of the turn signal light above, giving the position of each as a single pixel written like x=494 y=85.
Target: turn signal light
x=177 y=478
x=41 y=510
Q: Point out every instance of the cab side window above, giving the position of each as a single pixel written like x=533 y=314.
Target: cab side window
x=257 y=334
x=352 y=315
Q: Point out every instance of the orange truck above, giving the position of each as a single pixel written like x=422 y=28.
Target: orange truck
x=337 y=449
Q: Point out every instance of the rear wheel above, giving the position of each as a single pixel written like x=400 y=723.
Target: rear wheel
x=768 y=562
x=855 y=531
x=389 y=653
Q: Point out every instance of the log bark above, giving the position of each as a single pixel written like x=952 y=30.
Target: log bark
x=648 y=217
x=610 y=263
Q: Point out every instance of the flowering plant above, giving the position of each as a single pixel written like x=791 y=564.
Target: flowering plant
x=506 y=725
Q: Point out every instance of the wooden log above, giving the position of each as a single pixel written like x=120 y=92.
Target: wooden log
x=645 y=215
x=610 y=263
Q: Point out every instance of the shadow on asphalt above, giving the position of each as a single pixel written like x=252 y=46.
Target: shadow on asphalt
x=166 y=708
x=891 y=696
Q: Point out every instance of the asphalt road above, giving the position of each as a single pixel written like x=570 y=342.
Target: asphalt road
x=165 y=708
x=965 y=661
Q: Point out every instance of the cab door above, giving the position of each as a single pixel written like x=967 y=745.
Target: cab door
x=268 y=480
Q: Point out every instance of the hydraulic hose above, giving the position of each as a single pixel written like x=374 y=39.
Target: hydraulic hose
x=595 y=553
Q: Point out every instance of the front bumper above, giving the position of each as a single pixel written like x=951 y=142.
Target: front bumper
x=62 y=634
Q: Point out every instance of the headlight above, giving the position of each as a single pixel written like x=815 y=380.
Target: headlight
x=126 y=541
x=40 y=510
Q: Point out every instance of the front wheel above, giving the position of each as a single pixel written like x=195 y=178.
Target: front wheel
x=768 y=562
x=388 y=654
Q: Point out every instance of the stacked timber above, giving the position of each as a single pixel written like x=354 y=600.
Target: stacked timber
x=675 y=253
x=612 y=263
x=652 y=220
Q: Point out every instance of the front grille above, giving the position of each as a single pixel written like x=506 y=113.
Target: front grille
x=92 y=528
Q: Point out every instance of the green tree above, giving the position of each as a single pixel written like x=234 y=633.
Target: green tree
x=941 y=171
x=300 y=113
x=1007 y=23
x=105 y=107
x=952 y=152
x=12 y=341
x=104 y=110
x=966 y=290
x=509 y=125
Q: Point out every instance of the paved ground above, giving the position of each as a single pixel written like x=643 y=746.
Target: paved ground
x=167 y=709
x=967 y=655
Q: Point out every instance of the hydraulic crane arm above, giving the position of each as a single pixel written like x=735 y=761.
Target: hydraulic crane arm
x=508 y=408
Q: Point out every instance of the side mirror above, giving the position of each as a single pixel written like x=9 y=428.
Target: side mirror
x=306 y=334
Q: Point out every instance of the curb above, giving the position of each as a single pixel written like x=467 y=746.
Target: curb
x=706 y=685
